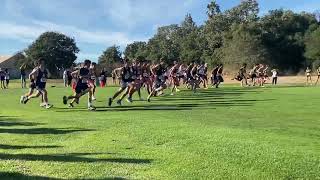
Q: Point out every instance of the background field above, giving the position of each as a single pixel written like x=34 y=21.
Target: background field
x=251 y=133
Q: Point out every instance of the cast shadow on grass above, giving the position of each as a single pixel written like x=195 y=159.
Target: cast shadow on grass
x=11 y=121
x=204 y=99
x=71 y=158
x=44 y=131
x=16 y=175
x=4 y=146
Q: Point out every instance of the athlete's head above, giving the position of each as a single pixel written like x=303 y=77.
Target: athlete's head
x=87 y=63
x=162 y=61
x=41 y=61
x=93 y=65
x=244 y=65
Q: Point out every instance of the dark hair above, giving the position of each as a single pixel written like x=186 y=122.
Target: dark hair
x=87 y=61
x=94 y=63
x=40 y=60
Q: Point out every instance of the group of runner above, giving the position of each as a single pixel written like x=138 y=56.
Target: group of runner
x=133 y=76
x=257 y=76
x=309 y=76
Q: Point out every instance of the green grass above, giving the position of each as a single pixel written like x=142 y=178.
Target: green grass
x=227 y=133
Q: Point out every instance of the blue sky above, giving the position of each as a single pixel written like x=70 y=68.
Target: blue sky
x=97 y=24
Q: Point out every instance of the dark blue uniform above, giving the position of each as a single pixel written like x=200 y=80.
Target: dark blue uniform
x=82 y=83
x=41 y=79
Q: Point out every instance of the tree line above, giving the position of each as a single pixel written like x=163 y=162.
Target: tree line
x=281 y=38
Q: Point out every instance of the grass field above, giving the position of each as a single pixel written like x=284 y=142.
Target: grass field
x=227 y=133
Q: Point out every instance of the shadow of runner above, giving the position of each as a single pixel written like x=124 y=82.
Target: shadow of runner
x=16 y=175
x=9 y=122
x=3 y=146
x=43 y=131
x=70 y=158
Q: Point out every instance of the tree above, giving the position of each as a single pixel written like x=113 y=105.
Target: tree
x=136 y=50
x=283 y=35
x=164 y=44
x=110 y=56
x=213 y=9
x=57 y=49
x=312 y=42
x=243 y=45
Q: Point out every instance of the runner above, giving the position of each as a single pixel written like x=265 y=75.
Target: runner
x=253 y=74
x=194 y=78
x=308 y=74
x=202 y=72
x=159 y=85
x=146 y=76
x=219 y=75
x=7 y=77
x=174 y=77
x=103 y=77
x=243 y=75
x=93 y=78
x=214 y=73
x=83 y=76
x=260 y=74
x=318 y=71
x=188 y=75
x=40 y=74
x=125 y=73
x=32 y=88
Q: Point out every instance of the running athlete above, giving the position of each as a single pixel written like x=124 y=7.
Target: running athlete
x=182 y=74
x=219 y=75
x=188 y=75
x=308 y=74
x=159 y=85
x=40 y=74
x=137 y=81
x=260 y=75
x=174 y=77
x=202 y=72
x=318 y=71
x=253 y=74
x=82 y=86
x=32 y=87
x=214 y=79
x=146 y=76
x=125 y=74
x=93 y=79
x=194 y=78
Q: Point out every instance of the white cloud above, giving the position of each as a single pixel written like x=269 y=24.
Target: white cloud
x=32 y=31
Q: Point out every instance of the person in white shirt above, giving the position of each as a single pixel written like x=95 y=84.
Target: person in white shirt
x=308 y=74
x=65 y=78
x=274 y=76
x=318 y=71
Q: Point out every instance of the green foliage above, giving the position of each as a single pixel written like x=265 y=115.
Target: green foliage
x=282 y=38
x=135 y=50
x=111 y=55
x=313 y=45
x=57 y=49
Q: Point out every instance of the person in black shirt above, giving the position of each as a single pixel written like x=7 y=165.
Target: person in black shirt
x=82 y=86
x=159 y=71
x=40 y=74
x=103 y=78
x=23 y=75
x=126 y=74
